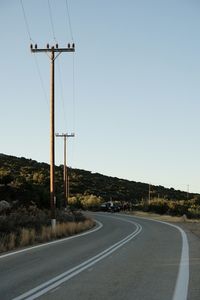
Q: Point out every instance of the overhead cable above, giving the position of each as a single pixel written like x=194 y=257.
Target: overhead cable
x=51 y=21
x=69 y=20
x=62 y=97
x=26 y=22
x=35 y=59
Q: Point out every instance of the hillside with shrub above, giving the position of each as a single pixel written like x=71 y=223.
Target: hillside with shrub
x=25 y=182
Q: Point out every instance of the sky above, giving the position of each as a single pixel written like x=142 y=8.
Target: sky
x=130 y=92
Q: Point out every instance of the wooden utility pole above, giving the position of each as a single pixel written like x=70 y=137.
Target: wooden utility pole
x=149 y=193
x=52 y=50
x=65 y=173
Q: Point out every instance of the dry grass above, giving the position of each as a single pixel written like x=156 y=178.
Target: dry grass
x=46 y=234
x=12 y=241
x=63 y=230
x=29 y=237
x=24 y=238
x=165 y=218
x=7 y=242
x=2 y=244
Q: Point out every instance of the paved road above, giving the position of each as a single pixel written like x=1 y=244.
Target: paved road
x=126 y=258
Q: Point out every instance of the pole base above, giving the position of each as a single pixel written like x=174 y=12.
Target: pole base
x=53 y=223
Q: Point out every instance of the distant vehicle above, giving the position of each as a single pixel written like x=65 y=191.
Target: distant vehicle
x=109 y=207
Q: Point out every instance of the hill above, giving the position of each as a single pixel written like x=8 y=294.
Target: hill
x=25 y=181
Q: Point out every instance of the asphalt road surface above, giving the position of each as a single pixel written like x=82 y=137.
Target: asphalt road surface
x=122 y=258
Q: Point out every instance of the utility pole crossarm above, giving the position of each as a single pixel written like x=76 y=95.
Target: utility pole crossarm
x=65 y=135
x=70 y=48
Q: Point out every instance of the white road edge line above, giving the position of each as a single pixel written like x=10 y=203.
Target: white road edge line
x=58 y=280
x=100 y=225
x=182 y=281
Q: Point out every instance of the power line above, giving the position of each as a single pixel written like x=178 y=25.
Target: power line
x=73 y=94
x=62 y=95
x=41 y=80
x=69 y=24
x=51 y=21
x=68 y=19
x=26 y=22
x=35 y=59
x=59 y=69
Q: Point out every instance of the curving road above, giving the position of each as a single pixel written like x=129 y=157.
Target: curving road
x=122 y=258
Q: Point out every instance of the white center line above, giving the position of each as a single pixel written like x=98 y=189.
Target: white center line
x=58 y=280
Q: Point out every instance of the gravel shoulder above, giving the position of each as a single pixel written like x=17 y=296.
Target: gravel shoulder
x=190 y=225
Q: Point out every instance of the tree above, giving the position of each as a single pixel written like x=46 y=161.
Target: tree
x=91 y=201
x=5 y=177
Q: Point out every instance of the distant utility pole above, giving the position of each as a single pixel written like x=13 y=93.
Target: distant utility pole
x=65 y=173
x=188 y=191
x=52 y=51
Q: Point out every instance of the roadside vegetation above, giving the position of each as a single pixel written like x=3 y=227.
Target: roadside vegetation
x=23 y=181
x=29 y=226
x=24 y=201
x=189 y=208
x=86 y=202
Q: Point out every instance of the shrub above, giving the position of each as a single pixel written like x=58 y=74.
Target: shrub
x=177 y=208
x=33 y=226
x=194 y=212
x=4 y=206
x=190 y=208
x=158 y=206
x=75 y=202
x=91 y=202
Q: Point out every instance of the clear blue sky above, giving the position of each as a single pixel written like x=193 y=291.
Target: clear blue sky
x=137 y=87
